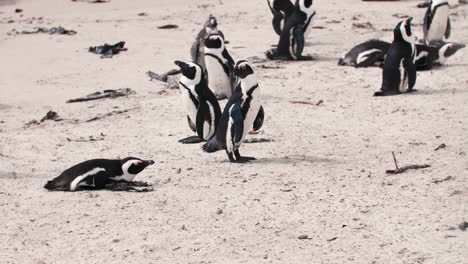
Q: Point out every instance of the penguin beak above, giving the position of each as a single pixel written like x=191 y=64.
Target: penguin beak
x=181 y=64
x=148 y=162
x=409 y=20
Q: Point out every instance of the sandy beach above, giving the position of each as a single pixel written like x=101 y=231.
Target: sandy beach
x=317 y=193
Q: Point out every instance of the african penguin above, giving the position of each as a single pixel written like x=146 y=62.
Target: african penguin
x=238 y=116
x=203 y=111
x=399 y=71
x=293 y=35
x=369 y=53
x=197 y=51
x=281 y=10
x=97 y=173
x=219 y=66
x=437 y=21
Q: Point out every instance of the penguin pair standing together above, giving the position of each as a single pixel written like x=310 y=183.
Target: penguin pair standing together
x=95 y=174
x=292 y=20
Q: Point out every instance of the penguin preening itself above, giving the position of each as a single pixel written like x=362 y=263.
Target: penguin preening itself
x=399 y=72
x=281 y=10
x=219 y=66
x=369 y=53
x=437 y=21
x=97 y=173
x=373 y=52
x=292 y=38
x=203 y=111
x=240 y=113
x=197 y=51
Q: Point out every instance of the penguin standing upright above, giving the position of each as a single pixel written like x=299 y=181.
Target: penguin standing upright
x=281 y=10
x=399 y=72
x=97 y=173
x=203 y=111
x=239 y=115
x=293 y=35
x=219 y=66
x=197 y=51
x=437 y=21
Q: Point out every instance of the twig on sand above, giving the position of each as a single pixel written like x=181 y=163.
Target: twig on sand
x=109 y=114
x=104 y=94
x=404 y=168
x=442 y=180
x=306 y=102
x=441 y=146
x=6 y=156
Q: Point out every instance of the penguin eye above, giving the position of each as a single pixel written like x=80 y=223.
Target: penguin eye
x=138 y=162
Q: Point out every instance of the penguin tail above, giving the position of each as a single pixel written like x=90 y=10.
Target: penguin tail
x=379 y=93
x=212 y=145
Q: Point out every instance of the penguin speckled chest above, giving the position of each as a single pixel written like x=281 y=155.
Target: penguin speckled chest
x=437 y=21
x=239 y=115
x=97 y=173
x=219 y=65
x=203 y=111
x=292 y=38
x=399 y=73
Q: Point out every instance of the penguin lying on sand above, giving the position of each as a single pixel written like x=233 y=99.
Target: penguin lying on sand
x=203 y=111
x=239 y=115
x=373 y=52
x=399 y=72
x=436 y=21
x=293 y=34
x=97 y=173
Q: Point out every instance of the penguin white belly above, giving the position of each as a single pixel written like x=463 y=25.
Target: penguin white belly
x=403 y=78
x=208 y=128
x=218 y=80
x=252 y=113
x=439 y=24
x=189 y=106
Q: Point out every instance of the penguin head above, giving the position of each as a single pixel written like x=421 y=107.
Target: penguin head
x=448 y=49
x=402 y=32
x=133 y=165
x=211 y=23
x=243 y=69
x=214 y=41
x=191 y=71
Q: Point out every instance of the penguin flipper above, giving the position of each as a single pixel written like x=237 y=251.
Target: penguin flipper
x=192 y=126
x=448 y=30
x=427 y=23
x=195 y=50
x=371 y=59
x=226 y=54
x=238 y=122
x=277 y=18
x=200 y=122
x=411 y=73
x=300 y=41
x=259 y=119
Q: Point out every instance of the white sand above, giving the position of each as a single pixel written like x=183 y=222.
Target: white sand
x=324 y=176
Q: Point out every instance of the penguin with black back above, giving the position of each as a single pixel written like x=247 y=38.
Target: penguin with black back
x=239 y=115
x=399 y=72
x=197 y=52
x=219 y=66
x=436 y=21
x=96 y=173
x=294 y=33
x=281 y=10
x=203 y=111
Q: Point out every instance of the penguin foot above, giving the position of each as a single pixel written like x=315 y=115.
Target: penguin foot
x=272 y=54
x=245 y=158
x=191 y=140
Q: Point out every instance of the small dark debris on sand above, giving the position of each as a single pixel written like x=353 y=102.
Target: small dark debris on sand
x=397 y=15
x=104 y=94
x=107 y=51
x=52 y=31
x=366 y=25
x=307 y=102
x=441 y=146
x=89 y=139
x=258 y=140
x=18 y=10
x=169 y=26
x=92 y=1
x=51 y=115
x=143 y=14
x=448 y=178
x=463 y=226
x=303 y=237
x=116 y=112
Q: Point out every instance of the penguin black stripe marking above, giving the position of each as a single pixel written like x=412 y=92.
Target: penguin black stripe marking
x=223 y=64
x=192 y=96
